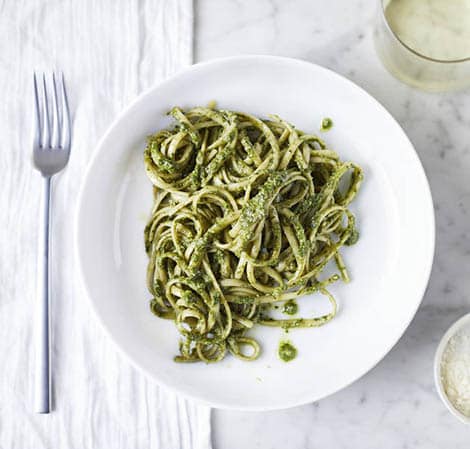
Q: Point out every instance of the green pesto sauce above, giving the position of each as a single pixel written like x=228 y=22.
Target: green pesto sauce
x=255 y=209
x=291 y=323
x=290 y=307
x=243 y=300
x=287 y=351
x=326 y=124
x=220 y=158
x=162 y=162
x=353 y=238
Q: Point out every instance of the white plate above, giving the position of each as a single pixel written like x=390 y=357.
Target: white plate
x=390 y=265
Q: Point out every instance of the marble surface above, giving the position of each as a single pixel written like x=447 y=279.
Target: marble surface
x=395 y=405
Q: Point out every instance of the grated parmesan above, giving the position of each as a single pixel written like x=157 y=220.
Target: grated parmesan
x=455 y=371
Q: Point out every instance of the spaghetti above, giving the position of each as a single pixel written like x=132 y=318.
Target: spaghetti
x=247 y=213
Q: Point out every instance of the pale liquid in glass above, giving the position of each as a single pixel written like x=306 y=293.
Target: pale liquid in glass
x=439 y=29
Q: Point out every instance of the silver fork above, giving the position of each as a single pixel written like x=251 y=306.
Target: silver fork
x=51 y=150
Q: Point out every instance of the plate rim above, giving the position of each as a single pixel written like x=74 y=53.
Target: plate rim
x=427 y=200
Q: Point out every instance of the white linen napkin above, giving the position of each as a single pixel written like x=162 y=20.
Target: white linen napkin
x=109 y=51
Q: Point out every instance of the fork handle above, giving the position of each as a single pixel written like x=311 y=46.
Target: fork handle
x=42 y=386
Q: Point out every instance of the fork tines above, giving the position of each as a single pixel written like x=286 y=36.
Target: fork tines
x=57 y=135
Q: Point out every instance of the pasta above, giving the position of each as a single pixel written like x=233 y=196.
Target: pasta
x=247 y=213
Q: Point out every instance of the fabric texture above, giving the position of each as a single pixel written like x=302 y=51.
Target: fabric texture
x=109 y=51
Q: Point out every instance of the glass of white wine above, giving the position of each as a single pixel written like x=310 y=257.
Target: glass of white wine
x=425 y=43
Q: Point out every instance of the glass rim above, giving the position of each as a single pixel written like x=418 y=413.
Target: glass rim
x=411 y=49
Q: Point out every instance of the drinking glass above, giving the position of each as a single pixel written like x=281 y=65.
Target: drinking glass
x=412 y=65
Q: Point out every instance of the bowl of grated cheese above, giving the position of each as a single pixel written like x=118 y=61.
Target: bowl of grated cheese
x=452 y=369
